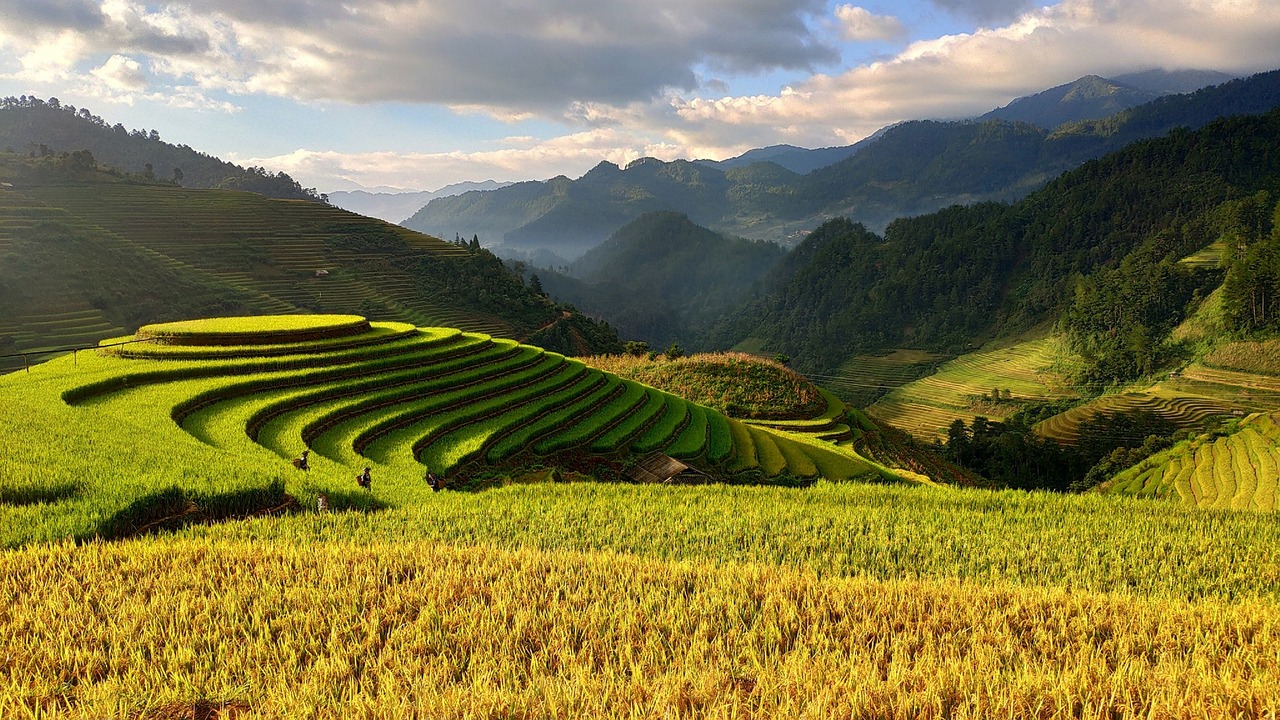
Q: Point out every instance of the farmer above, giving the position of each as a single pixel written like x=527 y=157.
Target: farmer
x=364 y=480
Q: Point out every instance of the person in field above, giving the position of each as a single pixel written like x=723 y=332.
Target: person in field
x=301 y=462
x=365 y=480
x=434 y=481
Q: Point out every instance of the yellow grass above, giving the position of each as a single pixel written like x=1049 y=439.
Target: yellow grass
x=167 y=628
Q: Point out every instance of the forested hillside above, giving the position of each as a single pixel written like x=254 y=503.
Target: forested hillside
x=954 y=277
x=661 y=277
x=34 y=127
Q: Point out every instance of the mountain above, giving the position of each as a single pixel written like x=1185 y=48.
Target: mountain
x=796 y=159
x=662 y=274
x=36 y=127
x=1087 y=98
x=1109 y=230
x=568 y=217
x=1092 y=97
x=1173 y=82
x=88 y=252
x=396 y=206
x=910 y=169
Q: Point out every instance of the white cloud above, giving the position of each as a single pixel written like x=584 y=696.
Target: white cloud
x=967 y=74
x=121 y=73
x=514 y=158
x=860 y=24
x=512 y=58
x=627 y=78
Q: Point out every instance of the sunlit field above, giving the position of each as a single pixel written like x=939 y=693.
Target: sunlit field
x=168 y=561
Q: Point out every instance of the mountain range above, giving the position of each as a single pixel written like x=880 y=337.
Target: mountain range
x=909 y=169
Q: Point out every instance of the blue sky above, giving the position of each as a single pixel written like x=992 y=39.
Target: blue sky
x=418 y=94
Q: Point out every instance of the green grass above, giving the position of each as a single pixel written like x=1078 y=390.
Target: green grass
x=633 y=423
x=255 y=330
x=223 y=429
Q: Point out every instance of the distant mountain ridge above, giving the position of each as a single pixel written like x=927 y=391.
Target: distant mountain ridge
x=912 y=168
x=397 y=206
x=966 y=274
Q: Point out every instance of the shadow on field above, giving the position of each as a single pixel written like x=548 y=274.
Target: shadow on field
x=198 y=710
x=38 y=495
x=174 y=508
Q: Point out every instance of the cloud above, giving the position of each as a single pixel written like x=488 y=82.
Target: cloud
x=859 y=24
x=986 y=11
x=508 y=57
x=121 y=73
x=513 y=158
x=26 y=15
x=967 y=74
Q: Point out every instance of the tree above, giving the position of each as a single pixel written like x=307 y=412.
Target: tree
x=674 y=352
x=535 y=285
x=148 y=171
x=177 y=176
x=636 y=348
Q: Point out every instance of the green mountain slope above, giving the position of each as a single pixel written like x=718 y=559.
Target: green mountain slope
x=1087 y=98
x=88 y=255
x=662 y=275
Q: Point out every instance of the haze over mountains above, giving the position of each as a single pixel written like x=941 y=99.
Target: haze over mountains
x=909 y=169
x=395 y=206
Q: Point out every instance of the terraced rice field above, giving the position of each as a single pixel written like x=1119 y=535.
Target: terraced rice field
x=396 y=398
x=1238 y=471
x=866 y=378
x=1184 y=411
x=268 y=250
x=957 y=391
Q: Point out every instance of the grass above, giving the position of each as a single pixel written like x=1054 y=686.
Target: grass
x=255 y=330
x=1183 y=411
x=736 y=384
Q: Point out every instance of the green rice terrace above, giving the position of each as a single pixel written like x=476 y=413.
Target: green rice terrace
x=192 y=421
x=1237 y=470
x=90 y=256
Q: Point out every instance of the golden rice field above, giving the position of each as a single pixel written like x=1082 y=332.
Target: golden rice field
x=176 y=628
x=1184 y=411
x=926 y=407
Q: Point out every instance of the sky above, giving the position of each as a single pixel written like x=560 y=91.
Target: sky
x=419 y=94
